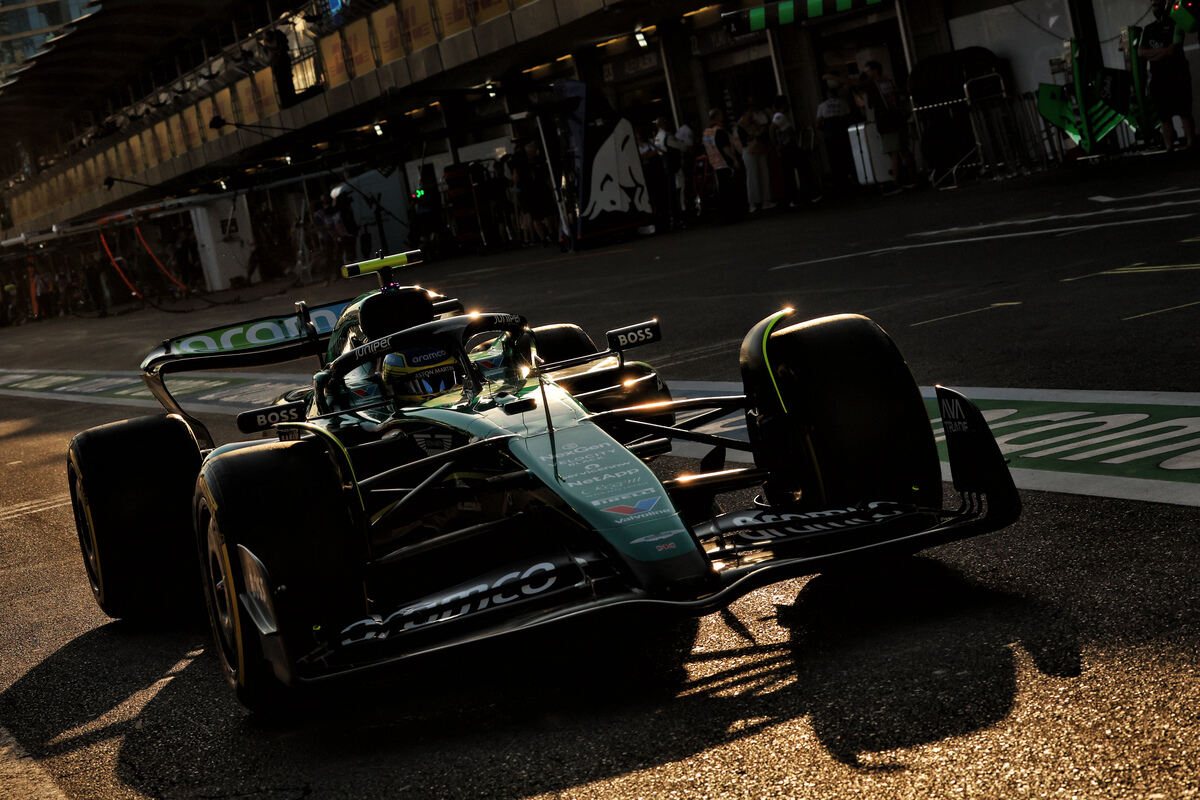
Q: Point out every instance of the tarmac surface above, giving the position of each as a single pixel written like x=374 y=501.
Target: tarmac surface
x=1057 y=658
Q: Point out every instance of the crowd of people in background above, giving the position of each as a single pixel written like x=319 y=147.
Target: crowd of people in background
x=88 y=279
x=759 y=159
x=753 y=164
x=40 y=294
x=747 y=162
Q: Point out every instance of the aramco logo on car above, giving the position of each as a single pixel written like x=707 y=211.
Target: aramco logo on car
x=257 y=334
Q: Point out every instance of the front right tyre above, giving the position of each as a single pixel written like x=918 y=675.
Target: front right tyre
x=835 y=415
x=131 y=484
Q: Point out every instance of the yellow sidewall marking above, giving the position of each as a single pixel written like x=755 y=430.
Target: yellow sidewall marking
x=231 y=598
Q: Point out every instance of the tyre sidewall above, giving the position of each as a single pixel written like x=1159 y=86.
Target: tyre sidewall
x=131 y=485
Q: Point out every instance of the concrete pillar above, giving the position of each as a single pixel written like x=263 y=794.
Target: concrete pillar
x=224 y=239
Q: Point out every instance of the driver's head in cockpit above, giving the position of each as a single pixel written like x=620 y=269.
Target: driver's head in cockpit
x=417 y=374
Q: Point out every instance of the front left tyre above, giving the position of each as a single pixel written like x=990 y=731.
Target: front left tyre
x=280 y=559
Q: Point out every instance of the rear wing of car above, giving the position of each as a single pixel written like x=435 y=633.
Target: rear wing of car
x=252 y=343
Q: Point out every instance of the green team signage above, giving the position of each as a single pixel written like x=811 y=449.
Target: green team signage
x=788 y=12
x=1184 y=13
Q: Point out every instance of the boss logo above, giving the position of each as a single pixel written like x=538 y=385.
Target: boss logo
x=275 y=417
x=261 y=419
x=634 y=335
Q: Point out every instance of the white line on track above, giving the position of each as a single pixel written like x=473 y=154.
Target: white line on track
x=983 y=226
x=1015 y=235
x=964 y=313
x=1103 y=198
x=1114 y=397
x=34 y=507
x=1135 y=489
x=1076 y=396
x=698 y=353
x=1160 y=311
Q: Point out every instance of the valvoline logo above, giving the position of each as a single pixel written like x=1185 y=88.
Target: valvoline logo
x=642 y=507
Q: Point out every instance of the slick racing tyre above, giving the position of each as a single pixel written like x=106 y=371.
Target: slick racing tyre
x=561 y=341
x=835 y=415
x=270 y=516
x=131 y=485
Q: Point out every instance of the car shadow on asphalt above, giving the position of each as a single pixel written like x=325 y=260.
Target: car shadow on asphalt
x=917 y=655
x=875 y=662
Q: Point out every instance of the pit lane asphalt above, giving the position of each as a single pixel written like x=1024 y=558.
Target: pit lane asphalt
x=1056 y=658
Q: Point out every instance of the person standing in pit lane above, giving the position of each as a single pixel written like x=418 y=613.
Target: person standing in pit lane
x=1170 y=75
x=723 y=162
x=755 y=130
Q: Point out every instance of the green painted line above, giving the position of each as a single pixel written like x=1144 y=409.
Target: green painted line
x=1123 y=440
x=787 y=12
x=1135 y=445
x=758 y=18
x=816 y=8
x=845 y=5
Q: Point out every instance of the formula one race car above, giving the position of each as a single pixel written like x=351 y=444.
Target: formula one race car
x=451 y=477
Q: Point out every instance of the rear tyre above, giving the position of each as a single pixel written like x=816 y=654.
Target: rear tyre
x=131 y=484
x=284 y=503
x=561 y=341
x=836 y=416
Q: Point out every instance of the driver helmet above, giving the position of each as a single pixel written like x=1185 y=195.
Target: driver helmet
x=417 y=374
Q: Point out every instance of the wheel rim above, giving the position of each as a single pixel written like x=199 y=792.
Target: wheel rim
x=83 y=527
x=220 y=593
